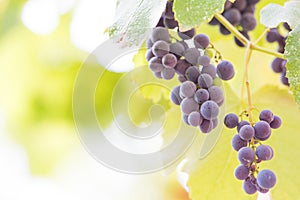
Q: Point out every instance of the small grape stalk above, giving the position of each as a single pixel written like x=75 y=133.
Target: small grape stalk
x=248 y=143
x=199 y=95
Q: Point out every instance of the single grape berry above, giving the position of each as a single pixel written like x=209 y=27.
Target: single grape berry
x=174 y=95
x=237 y=143
x=225 y=70
x=201 y=41
x=216 y=94
x=248 y=22
x=189 y=105
x=262 y=130
x=205 y=81
x=276 y=123
x=195 y=119
x=160 y=33
x=266 y=115
x=266 y=179
x=276 y=65
x=206 y=126
x=186 y=35
x=241 y=172
x=246 y=132
x=231 y=120
x=233 y=15
x=170 y=23
x=209 y=110
x=181 y=67
x=155 y=64
x=210 y=69
x=246 y=155
x=160 y=48
x=191 y=55
x=204 y=60
x=249 y=187
x=201 y=96
x=241 y=124
x=168 y=73
x=188 y=89
x=169 y=60
x=177 y=48
x=264 y=152
x=192 y=73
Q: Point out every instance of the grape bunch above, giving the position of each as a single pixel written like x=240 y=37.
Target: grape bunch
x=241 y=15
x=248 y=143
x=278 y=65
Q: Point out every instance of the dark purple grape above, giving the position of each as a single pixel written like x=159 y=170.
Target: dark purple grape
x=237 y=143
x=248 y=22
x=246 y=132
x=246 y=155
x=149 y=54
x=160 y=48
x=160 y=33
x=192 y=73
x=186 y=35
x=201 y=41
x=241 y=124
x=155 y=64
x=266 y=115
x=239 y=43
x=276 y=65
x=216 y=94
x=191 y=55
x=169 y=14
x=225 y=70
x=201 y=96
x=168 y=73
x=249 y=187
x=240 y=4
x=157 y=75
x=276 y=123
x=195 y=119
x=204 y=60
x=241 y=172
x=284 y=80
x=273 y=35
x=233 y=15
x=252 y=2
x=209 y=110
x=160 y=23
x=205 y=81
x=206 y=126
x=231 y=120
x=227 y=5
x=181 y=79
x=189 y=105
x=224 y=30
x=210 y=69
x=174 y=95
x=249 y=9
x=262 y=130
x=177 y=48
x=169 y=60
x=287 y=26
x=182 y=66
x=188 y=89
x=214 y=22
x=170 y=23
x=264 y=152
x=266 y=179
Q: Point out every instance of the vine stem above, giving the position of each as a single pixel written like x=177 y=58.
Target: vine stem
x=243 y=39
x=246 y=81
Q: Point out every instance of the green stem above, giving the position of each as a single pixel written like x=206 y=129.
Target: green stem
x=243 y=39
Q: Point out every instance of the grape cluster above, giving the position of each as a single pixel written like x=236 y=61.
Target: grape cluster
x=241 y=15
x=199 y=94
x=278 y=65
x=248 y=143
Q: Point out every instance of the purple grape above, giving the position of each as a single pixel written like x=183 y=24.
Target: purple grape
x=233 y=15
x=215 y=122
x=273 y=35
x=192 y=73
x=174 y=95
x=195 y=119
x=168 y=73
x=246 y=132
x=266 y=179
x=157 y=75
x=225 y=70
x=237 y=143
x=201 y=96
x=188 y=89
x=191 y=55
x=201 y=41
x=276 y=65
x=210 y=69
x=246 y=155
x=149 y=54
x=177 y=48
x=206 y=126
x=160 y=48
x=227 y=5
x=284 y=80
x=238 y=42
x=186 y=35
x=170 y=23
x=149 y=43
x=276 y=123
x=224 y=30
x=155 y=64
x=181 y=79
x=248 y=22
x=205 y=81
x=214 y=22
x=189 y=105
x=185 y=118
x=266 y=115
x=264 y=152
x=209 y=110
x=231 y=120
x=252 y=2
x=249 y=9
x=241 y=172
x=169 y=60
x=249 y=187
x=216 y=94
x=160 y=33
x=204 y=60
x=241 y=124
x=181 y=67
x=262 y=130
x=169 y=14
x=240 y=4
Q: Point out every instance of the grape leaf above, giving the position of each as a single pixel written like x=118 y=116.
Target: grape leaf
x=292 y=54
x=133 y=20
x=272 y=14
x=192 y=13
x=212 y=178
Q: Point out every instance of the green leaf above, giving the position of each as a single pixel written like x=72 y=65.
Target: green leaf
x=212 y=178
x=133 y=18
x=192 y=13
x=292 y=54
x=273 y=14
